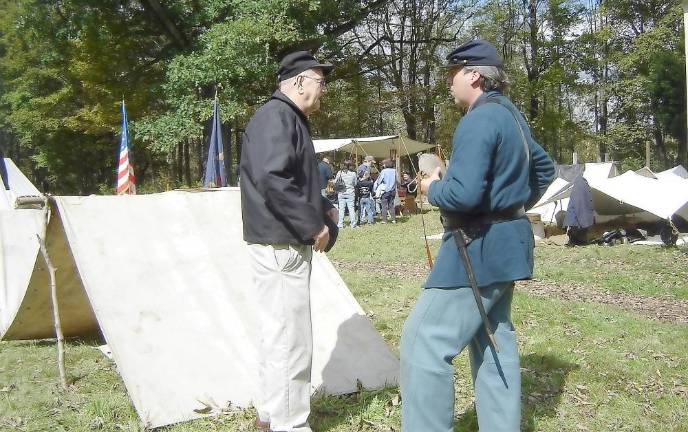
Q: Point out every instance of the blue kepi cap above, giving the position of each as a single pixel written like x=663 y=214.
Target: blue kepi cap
x=477 y=52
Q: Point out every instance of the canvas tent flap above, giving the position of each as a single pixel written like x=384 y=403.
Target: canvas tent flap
x=33 y=313
x=19 y=245
x=375 y=146
x=548 y=208
x=167 y=278
x=19 y=229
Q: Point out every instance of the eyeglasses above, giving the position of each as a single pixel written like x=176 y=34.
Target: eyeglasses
x=320 y=81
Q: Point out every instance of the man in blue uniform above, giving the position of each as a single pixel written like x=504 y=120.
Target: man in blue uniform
x=495 y=171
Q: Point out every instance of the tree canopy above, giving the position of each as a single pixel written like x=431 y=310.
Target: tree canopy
x=593 y=76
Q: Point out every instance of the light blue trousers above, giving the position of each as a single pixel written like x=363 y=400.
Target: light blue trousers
x=442 y=323
x=348 y=201
x=367 y=208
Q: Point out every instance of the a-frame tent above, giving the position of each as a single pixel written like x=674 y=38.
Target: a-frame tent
x=378 y=146
x=165 y=278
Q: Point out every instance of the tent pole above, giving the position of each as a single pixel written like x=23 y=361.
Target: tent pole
x=56 y=312
x=398 y=159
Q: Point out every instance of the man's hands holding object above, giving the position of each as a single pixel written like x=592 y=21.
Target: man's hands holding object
x=430 y=168
x=321 y=239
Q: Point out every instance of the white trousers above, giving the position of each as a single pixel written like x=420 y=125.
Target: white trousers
x=281 y=276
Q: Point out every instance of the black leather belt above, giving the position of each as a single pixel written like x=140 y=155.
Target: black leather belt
x=451 y=221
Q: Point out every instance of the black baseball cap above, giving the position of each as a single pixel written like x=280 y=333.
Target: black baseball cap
x=294 y=63
x=477 y=52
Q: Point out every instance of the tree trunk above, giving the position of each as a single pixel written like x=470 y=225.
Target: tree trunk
x=659 y=143
x=179 y=166
x=682 y=157
x=534 y=69
x=187 y=162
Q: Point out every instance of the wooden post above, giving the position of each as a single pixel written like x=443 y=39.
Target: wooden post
x=685 y=35
x=575 y=158
x=648 y=154
x=56 y=314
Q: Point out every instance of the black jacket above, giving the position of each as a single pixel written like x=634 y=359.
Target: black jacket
x=280 y=182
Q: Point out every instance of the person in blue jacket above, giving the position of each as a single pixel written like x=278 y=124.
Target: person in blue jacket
x=496 y=170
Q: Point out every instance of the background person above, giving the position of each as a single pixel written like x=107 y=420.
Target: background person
x=364 y=192
x=325 y=171
x=347 y=193
x=366 y=166
x=409 y=190
x=387 y=182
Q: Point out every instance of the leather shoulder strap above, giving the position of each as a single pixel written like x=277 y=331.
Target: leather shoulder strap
x=514 y=114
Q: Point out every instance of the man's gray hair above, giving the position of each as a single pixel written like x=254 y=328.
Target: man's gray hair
x=491 y=77
x=289 y=82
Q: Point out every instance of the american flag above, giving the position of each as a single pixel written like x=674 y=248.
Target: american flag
x=126 y=182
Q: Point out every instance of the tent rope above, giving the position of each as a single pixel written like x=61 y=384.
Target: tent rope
x=420 y=207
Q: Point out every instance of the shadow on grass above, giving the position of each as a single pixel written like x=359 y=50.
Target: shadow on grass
x=359 y=360
x=543 y=378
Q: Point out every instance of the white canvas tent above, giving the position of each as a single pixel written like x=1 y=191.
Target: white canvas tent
x=164 y=278
x=379 y=146
x=556 y=197
x=677 y=172
x=18 y=242
x=643 y=195
x=19 y=186
x=631 y=193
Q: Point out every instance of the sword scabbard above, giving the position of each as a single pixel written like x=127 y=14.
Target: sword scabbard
x=460 y=240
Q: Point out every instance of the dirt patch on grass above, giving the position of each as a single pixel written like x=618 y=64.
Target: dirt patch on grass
x=655 y=308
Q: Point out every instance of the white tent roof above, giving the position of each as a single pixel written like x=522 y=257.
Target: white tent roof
x=165 y=277
x=632 y=192
x=599 y=170
x=18 y=242
x=676 y=172
x=379 y=146
x=556 y=197
x=646 y=172
x=19 y=186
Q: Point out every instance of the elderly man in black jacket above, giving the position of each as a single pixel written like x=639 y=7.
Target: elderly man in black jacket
x=282 y=209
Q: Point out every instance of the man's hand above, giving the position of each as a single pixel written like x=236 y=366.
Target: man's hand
x=333 y=213
x=321 y=239
x=425 y=183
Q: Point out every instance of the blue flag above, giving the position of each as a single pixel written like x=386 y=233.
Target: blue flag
x=215 y=166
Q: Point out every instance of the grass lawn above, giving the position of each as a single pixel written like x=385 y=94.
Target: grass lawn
x=585 y=366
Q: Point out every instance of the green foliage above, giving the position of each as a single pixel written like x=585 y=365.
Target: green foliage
x=67 y=66
x=649 y=85
x=593 y=77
